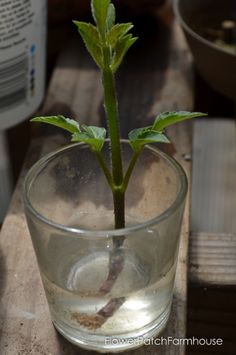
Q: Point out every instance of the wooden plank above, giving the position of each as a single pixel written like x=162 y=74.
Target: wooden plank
x=212 y=259
x=213 y=223
x=214 y=176
x=25 y=322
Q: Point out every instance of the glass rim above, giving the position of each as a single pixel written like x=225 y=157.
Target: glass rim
x=37 y=167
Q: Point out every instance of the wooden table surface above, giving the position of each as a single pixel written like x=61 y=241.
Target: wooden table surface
x=155 y=77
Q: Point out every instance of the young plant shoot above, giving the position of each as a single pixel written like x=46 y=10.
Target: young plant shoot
x=107 y=42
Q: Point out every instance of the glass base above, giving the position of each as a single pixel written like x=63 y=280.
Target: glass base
x=114 y=344
x=138 y=308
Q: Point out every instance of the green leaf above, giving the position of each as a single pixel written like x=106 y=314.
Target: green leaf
x=166 y=119
x=111 y=16
x=135 y=133
x=94 y=136
x=141 y=136
x=118 y=31
x=122 y=46
x=59 y=121
x=95 y=132
x=100 y=14
x=90 y=36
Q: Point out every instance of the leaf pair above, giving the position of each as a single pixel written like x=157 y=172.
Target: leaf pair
x=154 y=134
x=93 y=136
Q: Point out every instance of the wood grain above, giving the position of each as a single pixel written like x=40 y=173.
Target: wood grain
x=212 y=259
x=155 y=77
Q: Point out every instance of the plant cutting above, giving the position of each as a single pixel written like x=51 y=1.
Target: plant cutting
x=105 y=225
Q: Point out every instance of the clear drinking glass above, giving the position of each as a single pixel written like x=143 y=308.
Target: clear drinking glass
x=107 y=290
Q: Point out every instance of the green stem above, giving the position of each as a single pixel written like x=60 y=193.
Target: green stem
x=105 y=169
x=110 y=103
x=130 y=170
